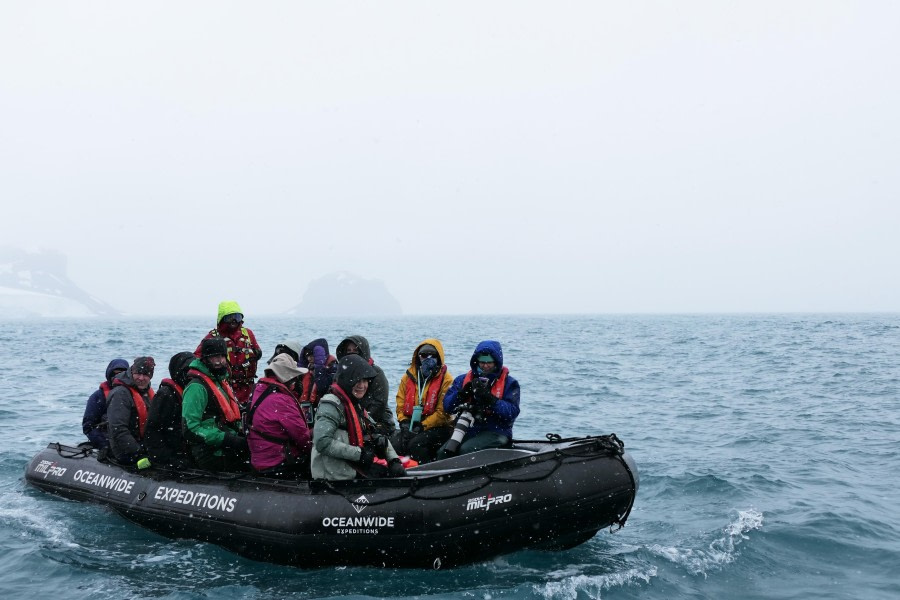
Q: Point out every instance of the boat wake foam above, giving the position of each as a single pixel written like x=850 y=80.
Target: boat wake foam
x=721 y=551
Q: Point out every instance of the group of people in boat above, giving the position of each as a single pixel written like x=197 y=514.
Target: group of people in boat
x=311 y=414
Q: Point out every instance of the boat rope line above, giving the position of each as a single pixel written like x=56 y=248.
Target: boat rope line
x=621 y=520
x=558 y=459
x=81 y=452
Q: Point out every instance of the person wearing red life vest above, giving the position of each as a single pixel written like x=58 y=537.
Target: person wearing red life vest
x=321 y=365
x=376 y=400
x=94 y=423
x=424 y=425
x=490 y=395
x=163 y=438
x=346 y=444
x=211 y=417
x=243 y=350
x=129 y=403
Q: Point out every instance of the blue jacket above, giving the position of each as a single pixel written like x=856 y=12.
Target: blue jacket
x=505 y=409
x=93 y=424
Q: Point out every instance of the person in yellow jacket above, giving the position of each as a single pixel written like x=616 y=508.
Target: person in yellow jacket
x=424 y=426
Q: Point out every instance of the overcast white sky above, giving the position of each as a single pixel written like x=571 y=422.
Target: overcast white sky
x=478 y=157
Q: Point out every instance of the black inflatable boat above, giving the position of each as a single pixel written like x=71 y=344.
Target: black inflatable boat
x=552 y=494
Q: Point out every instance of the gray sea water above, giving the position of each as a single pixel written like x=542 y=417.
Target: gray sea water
x=767 y=446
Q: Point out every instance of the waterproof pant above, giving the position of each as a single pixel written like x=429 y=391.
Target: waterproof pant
x=480 y=441
x=219 y=459
x=422 y=447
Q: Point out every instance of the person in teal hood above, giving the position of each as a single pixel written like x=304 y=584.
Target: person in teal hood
x=211 y=417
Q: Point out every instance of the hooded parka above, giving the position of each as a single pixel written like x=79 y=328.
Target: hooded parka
x=126 y=431
x=501 y=416
x=376 y=399
x=163 y=437
x=333 y=456
x=94 y=422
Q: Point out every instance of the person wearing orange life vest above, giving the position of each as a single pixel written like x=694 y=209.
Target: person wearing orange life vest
x=211 y=417
x=488 y=393
x=424 y=426
x=94 y=423
x=162 y=437
x=129 y=403
x=243 y=350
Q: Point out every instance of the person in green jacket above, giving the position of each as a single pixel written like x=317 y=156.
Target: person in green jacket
x=211 y=418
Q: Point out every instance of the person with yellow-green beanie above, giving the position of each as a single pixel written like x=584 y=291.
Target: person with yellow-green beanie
x=243 y=350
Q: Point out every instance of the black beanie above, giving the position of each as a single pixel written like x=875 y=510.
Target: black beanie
x=143 y=365
x=215 y=346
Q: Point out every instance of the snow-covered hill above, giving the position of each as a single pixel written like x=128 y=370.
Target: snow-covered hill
x=36 y=285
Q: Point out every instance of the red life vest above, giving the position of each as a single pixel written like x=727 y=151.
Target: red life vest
x=308 y=390
x=105 y=388
x=174 y=385
x=354 y=424
x=227 y=405
x=141 y=408
x=497 y=388
x=241 y=351
x=431 y=393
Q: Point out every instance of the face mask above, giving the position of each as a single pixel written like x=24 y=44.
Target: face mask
x=428 y=367
x=228 y=328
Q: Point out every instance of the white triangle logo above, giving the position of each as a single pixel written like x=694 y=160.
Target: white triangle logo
x=360 y=504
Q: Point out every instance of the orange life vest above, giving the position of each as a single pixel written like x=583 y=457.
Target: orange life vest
x=141 y=408
x=431 y=393
x=499 y=383
x=228 y=405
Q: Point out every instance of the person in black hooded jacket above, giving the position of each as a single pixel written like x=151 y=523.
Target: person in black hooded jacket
x=376 y=399
x=162 y=437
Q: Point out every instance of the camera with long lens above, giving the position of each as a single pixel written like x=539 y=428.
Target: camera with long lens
x=463 y=422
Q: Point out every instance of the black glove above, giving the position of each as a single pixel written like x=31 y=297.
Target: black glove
x=378 y=443
x=466 y=394
x=366 y=458
x=395 y=468
x=416 y=429
x=404 y=427
x=385 y=429
x=481 y=390
x=235 y=442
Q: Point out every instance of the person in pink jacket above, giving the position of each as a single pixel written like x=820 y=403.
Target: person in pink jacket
x=279 y=439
